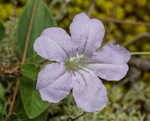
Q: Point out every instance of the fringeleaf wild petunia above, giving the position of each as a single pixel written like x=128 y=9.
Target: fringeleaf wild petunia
x=79 y=63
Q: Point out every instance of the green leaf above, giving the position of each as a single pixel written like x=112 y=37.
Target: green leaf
x=2 y=107
x=2 y=30
x=40 y=19
x=20 y=115
x=31 y=99
x=2 y=100
x=1 y=91
x=29 y=71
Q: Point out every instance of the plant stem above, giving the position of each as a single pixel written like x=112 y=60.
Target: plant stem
x=77 y=117
x=92 y=7
x=125 y=22
x=140 y=53
x=13 y=100
x=23 y=59
x=29 y=32
x=137 y=37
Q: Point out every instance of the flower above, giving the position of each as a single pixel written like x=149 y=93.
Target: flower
x=78 y=63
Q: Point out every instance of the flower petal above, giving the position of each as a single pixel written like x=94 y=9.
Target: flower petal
x=58 y=89
x=87 y=32
x=61 y=37
x=110 y=62
x=112 y=54
x=79 y=27
x=96 y=34
x=49 y=74
x=89 y=92
x=109 y=71
x=53 y=44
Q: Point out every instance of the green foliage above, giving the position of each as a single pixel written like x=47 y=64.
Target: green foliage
x=118 y=9
x=29 y=71
x=2 y=104
x=125 y=104
x=130 y=104
x=41 y=20
x=31 y=99
x=20 y=115
x=2 y=30
x=8 y=47
x=1 y=101
x=1 y=91
x=38 y=15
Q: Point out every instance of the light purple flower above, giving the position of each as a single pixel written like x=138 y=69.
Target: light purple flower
x=78 y=63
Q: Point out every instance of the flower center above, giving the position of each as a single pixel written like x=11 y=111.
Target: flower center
x=76 y=62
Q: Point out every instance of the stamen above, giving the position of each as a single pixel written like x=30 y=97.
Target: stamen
x=76 y=63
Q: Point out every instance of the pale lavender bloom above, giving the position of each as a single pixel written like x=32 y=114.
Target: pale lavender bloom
x=79 y=63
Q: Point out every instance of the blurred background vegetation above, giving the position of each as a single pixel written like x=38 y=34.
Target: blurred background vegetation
x=127 y=22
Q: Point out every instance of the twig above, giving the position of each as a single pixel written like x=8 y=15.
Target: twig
x=29 y=32
x=137 y=37
x=124 y=22
x=23 y=59
x=61 y=10
x=10 y=72
x=13 y=100
x=53 y=3
x=92 y=7
x=109 y=25
x=77 y=117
